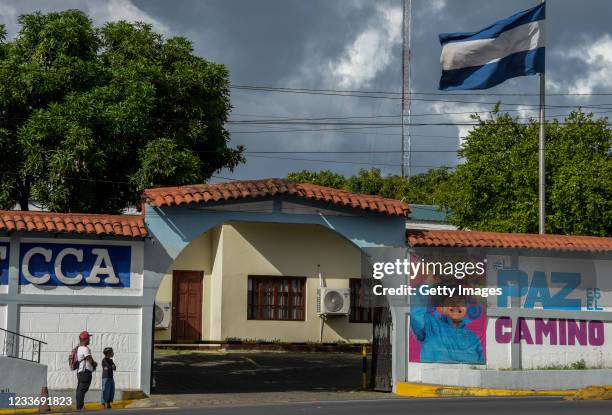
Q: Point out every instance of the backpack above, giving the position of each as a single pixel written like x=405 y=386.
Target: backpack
x=73 y=359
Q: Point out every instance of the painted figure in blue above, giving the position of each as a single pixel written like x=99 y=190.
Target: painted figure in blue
x=442 y=331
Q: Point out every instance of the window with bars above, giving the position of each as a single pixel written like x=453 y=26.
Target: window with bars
x=361 y=301
x=276 y=298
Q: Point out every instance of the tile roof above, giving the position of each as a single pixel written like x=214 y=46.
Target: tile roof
x=202 y=193
x=131 y=226
x=469 y=239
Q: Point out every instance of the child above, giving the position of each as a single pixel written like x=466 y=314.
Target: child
x=108 y=383
x=442 y=333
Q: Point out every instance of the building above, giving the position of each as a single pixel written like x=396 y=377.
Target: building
x=64 y=273
x=554 y=312
x=244 y=260
x=428 y=217
x=214 y=251
x=261 y=251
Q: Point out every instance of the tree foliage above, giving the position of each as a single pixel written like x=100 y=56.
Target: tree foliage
x=420 y=188
x=496 y=188
x=91 y=116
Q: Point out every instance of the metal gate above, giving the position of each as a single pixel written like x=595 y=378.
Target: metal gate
x=381 y=369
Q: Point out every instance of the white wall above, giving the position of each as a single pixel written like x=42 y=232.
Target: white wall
x=26 y=378
x=535 y=356
x=2 y=316
x=497 y=354
x=462 y=375
x=116 y=327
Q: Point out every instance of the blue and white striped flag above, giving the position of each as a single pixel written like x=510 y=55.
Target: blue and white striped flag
x=508 y=48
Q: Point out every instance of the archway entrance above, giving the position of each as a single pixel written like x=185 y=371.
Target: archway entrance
x=264 y=242
x=245 y=304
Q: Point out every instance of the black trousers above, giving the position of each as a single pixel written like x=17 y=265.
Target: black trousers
x=84 y=379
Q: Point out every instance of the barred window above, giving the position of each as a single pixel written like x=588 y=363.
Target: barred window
x=361 y=301
x=276 y=298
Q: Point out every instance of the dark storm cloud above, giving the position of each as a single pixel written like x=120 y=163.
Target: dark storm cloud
x=354 y=44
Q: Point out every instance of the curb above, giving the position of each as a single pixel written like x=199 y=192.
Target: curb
x=88 y=406
x=593 y=393
x=421 y=390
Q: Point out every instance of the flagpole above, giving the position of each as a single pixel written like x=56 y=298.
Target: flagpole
x=541 y=161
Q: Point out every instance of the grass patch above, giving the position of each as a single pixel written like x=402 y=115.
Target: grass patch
x=579 y=365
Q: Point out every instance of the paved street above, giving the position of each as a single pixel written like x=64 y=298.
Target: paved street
x=276 y=383
x=439 y=406
x=217 y=378
x=194 y=372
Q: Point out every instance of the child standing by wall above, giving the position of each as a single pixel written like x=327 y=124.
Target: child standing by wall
x=108 y=382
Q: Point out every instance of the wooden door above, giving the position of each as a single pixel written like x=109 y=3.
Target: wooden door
x=186 y=306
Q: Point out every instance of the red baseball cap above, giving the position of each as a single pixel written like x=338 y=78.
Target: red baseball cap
x=84 y=335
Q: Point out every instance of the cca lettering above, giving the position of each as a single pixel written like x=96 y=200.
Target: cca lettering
x=102 y=265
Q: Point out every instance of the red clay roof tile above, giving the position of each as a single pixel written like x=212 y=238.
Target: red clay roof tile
x=469 y=239
x=131 y=226
x=167 y=196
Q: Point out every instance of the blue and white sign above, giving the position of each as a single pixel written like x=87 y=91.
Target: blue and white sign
x=4 y=263
x=553 y=283
x=59 y=264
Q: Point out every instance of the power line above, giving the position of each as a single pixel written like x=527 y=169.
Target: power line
x=364 y=94
x=349 y=130
x=349 y=152
x=431 y=114
x=395 y=93
x=384 y=124
x=344 y=129
x=315 y=123
x=344 y=162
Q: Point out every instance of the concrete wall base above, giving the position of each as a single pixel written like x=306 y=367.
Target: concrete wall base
x=22 y=377
x=509 y=379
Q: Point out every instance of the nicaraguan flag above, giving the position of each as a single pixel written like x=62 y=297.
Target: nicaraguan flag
x=508 y=48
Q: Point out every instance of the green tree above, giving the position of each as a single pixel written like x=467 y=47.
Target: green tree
x=421 y=188
x=496 y=189
x=323 y=178
x=91 y=116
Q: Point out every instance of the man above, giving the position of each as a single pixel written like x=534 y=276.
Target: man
x=86 y=366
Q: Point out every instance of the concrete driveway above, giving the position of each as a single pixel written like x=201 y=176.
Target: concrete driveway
x=189 y=372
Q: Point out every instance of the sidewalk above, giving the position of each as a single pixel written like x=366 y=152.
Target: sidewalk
x=236 y=399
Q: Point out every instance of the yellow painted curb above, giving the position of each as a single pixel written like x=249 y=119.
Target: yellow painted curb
x=422 y=390
x=89 y=406
x=595 y=393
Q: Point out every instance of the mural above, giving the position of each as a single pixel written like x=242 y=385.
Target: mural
x=446 y=324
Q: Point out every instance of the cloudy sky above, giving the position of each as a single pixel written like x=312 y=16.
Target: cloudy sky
x=356 y=45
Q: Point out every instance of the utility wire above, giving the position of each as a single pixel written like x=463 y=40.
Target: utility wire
x=394 y=97
x=278 y=118
x=345 y=162
x=65 y=71
x=396 y=93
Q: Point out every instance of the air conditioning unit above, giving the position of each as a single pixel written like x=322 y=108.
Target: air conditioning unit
x=333 y=301
x=163 y=315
